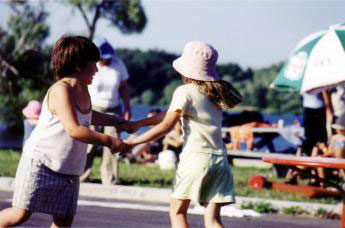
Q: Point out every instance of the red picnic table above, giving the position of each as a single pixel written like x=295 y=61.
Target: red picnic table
x=312 y=162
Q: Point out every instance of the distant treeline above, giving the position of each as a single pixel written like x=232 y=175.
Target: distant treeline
x=153 y=81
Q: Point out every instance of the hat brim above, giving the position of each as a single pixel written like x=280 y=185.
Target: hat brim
x=187 y=71
x=338 y=127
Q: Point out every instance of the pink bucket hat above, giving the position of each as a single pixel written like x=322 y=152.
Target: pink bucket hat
x=32 y=110
x=198 y=61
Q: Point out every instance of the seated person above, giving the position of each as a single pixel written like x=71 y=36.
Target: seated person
x=174 y=139
x=146 y=152
x=335 y=149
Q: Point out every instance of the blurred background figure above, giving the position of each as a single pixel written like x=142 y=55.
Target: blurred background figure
x=172 y=147
x=335 y=149
x=146 y=152
x=109 y=94
x=174 y=139
x=335 y=105
x=31 y=114
x=314 y=119
x=167 y=159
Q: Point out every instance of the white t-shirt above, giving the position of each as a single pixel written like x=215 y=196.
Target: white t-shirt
x=313 y=100
x=104 y=90
x=201 y=120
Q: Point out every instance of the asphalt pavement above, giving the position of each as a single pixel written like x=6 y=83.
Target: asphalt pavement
x=96 y=212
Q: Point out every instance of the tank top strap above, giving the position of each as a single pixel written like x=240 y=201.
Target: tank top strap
x=73 y=99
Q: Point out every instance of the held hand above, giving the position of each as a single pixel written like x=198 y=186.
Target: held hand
x=130 y=143
x=117 y=146
x=126 y=148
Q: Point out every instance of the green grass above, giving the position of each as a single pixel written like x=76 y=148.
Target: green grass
x=152 y=176
x=8 y=162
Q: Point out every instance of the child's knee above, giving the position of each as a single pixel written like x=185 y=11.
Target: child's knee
x=179 y=207
x=15 y=216
x=23 y=214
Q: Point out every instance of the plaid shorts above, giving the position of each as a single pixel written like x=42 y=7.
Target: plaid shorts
x=39 y=189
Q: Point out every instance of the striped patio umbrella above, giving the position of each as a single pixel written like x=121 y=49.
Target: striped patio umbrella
x=318 y=61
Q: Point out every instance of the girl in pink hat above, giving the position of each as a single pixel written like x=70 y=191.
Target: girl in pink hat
x=203 y=173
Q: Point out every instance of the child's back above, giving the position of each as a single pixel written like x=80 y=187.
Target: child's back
x=201 y=120
x=203 y=173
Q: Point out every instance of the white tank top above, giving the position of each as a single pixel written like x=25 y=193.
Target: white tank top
x=50 y=143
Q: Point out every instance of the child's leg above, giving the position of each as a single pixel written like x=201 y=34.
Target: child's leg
x=212 y=216
x=178 y=213
x=62 y=222
x=13 y=216
x=315 y=151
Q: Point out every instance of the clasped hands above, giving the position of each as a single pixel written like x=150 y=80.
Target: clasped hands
x=117 y=145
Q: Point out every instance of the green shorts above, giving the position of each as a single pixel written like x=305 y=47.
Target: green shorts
x=204 y=178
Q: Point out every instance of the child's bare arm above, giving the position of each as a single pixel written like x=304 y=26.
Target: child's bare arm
x=133 y=126
x=164 y=126
x=63 y=106
x=103 y=119
x=153 y=120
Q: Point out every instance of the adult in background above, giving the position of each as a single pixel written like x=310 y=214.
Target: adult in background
x=108 y=91
x=315 y=131
x=314 y=118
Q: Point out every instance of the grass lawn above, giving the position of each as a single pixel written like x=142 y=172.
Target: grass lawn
x=152 y=176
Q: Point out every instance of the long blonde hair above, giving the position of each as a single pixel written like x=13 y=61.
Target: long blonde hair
x=221 y=92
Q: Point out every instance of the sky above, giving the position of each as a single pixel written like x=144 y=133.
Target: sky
x=252 y=33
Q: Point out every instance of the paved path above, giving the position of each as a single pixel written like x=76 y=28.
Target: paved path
x=115 y=213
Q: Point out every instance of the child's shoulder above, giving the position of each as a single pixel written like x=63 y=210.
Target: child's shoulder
x=190 y=87
x=185 y=90
x=60 y=86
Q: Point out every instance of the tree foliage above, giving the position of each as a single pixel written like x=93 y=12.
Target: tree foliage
x=25 y=72
x=23 y=62
x=153 y=80
x=128 y=16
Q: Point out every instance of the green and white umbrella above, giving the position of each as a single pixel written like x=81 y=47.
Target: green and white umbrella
x=318 y=61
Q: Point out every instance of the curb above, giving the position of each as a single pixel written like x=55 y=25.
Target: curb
x=161 y=195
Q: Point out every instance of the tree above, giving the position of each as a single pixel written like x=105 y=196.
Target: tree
x=22 y=63
x=128 y=15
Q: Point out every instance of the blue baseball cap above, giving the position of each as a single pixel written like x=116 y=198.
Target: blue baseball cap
x=105 y=48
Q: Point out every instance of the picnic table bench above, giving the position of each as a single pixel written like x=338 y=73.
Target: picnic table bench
x=312 y=162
